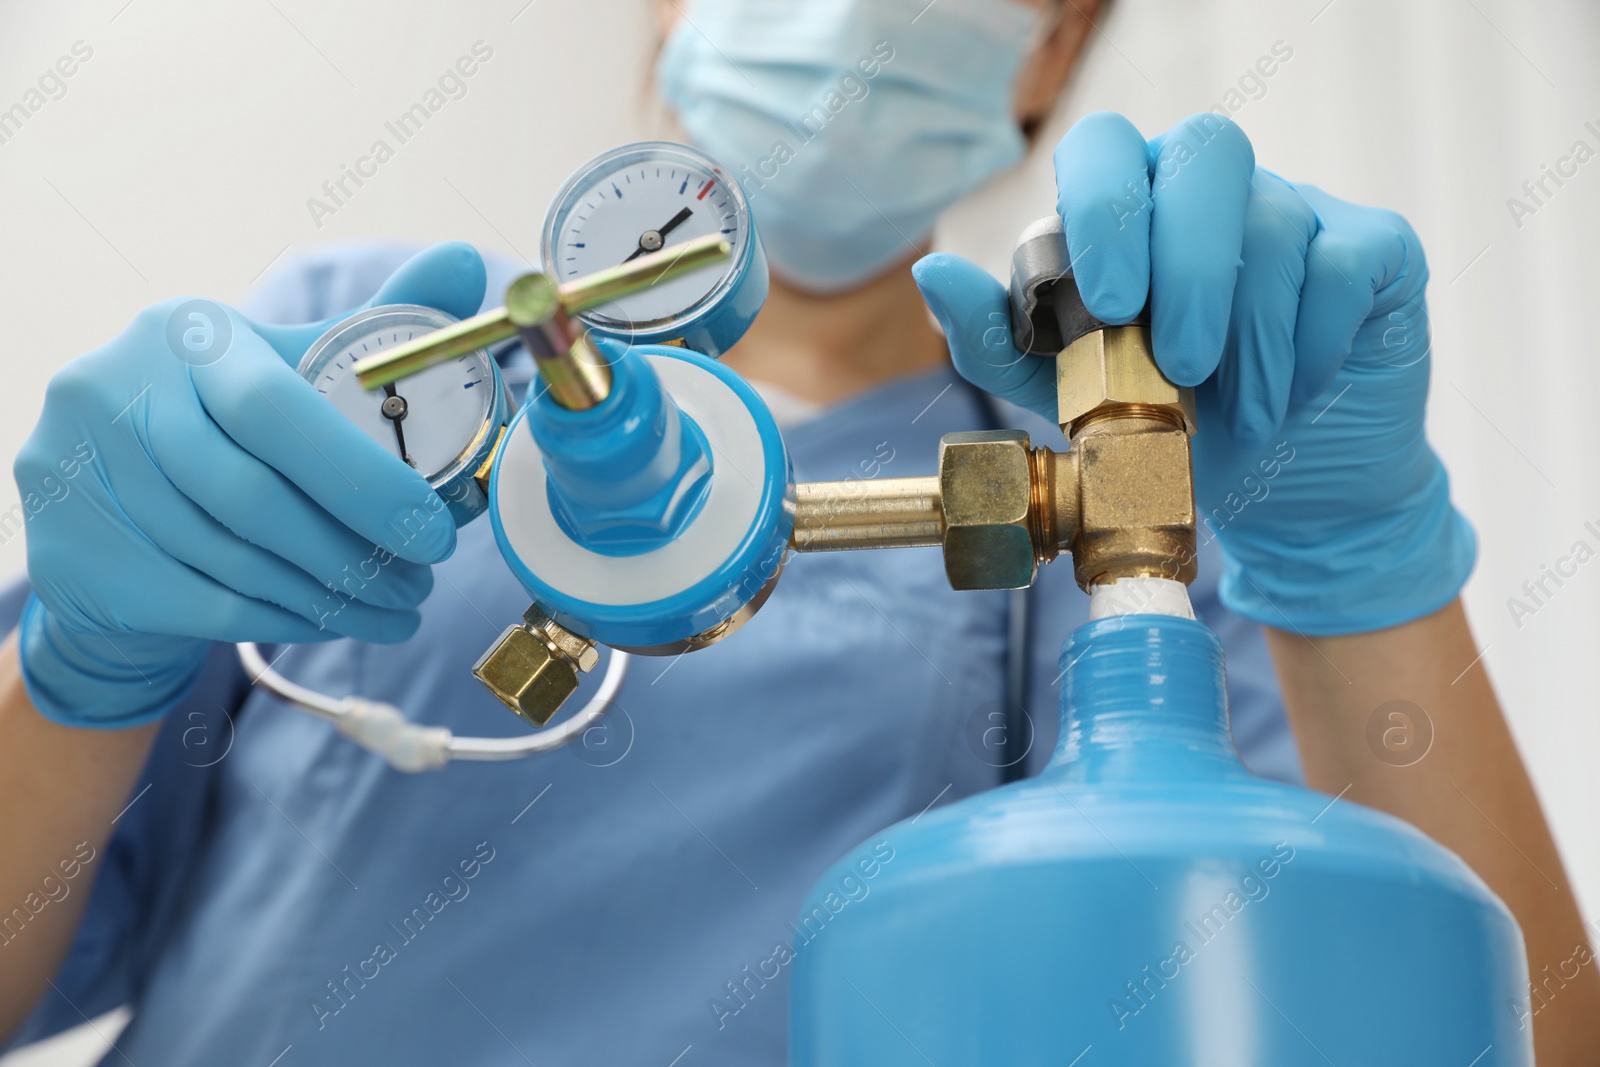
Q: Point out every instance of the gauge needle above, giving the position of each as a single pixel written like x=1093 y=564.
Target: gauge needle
x=394 y=409
x=660 y=235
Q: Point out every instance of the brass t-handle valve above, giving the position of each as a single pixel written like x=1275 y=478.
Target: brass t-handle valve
x=538 y=308
x=1121 y=500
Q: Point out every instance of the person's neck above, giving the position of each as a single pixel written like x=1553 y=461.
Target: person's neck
x=827 y=348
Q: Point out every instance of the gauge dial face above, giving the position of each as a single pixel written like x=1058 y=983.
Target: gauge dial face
x=637 y=200
x=434 y=419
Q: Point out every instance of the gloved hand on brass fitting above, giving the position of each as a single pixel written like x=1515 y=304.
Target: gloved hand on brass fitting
x=207 y=492
x=1301 y=318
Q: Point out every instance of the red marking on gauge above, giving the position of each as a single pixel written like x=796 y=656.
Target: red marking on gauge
x=707 y=189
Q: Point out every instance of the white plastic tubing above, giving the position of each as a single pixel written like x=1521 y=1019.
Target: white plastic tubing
x=382 y=728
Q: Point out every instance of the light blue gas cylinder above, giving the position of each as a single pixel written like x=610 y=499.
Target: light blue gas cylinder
x=1147 y=901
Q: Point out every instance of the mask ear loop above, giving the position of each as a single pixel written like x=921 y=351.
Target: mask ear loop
x=1046 y=24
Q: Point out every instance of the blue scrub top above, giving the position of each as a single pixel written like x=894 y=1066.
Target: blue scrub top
x=276 y=891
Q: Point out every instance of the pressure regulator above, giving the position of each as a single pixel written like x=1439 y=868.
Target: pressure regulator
x=642 y=494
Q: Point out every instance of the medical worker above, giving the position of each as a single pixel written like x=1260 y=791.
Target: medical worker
x=262 y=891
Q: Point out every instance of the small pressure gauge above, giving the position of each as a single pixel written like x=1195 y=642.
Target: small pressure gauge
x=444 y=421
x=638 y=199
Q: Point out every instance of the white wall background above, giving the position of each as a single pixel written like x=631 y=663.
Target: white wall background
x=181 y=155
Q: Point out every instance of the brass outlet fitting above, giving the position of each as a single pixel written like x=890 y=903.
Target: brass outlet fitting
x=1136 y=501
x=533 y=668
x=987 y=498
x=1129 y=428
x=1121 y=500
x=1128 y=425
x=876 y=513
x=1107 y=371
x=998 y=506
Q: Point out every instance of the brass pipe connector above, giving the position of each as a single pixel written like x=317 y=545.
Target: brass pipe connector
x=885 y=513
x=998 y=507
x=1136 y=499
x=1121 y=500
x=1129 y=429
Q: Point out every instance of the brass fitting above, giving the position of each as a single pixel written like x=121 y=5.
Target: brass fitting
x=877 y=513
x=1136 y=502
x=998 y=506
x=1108 y=371
x=1121 y=501
x=987 y=497
x=1129 y=428
x=533 y=668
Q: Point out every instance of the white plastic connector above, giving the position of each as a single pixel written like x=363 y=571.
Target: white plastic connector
x=1140 y=596
x=381 y=728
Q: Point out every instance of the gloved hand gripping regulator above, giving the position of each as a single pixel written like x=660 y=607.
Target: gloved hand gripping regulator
x=1120 y=500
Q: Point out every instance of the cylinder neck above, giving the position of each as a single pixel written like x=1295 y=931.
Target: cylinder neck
x=1142 y=697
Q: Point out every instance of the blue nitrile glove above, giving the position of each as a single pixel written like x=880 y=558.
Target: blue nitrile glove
x=1302 y=320
x=185 y=485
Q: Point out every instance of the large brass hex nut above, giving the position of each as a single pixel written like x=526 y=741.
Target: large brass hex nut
x=1114 y=366
x=526 y=674
x=985 y=490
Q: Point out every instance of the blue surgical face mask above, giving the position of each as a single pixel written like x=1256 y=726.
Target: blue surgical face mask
x=851 y=124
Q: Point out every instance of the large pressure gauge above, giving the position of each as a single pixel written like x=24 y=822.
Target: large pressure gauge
x=638 y=199
x=443 y=421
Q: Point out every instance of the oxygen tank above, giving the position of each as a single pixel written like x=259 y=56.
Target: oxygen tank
x=1147 y=901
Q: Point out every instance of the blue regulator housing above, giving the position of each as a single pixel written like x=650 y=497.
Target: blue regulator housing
x=653 y=518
